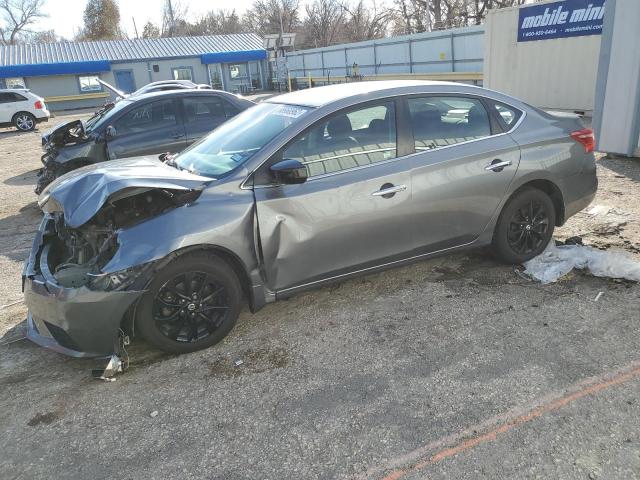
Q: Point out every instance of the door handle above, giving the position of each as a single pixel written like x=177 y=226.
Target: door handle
x=497 y=165
x=177 y=136
x=388 y=190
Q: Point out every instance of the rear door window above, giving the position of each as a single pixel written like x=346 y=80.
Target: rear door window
x=442 y=121
x=203 y=109
x=150 y=116
x=508 y=116
x=10 y=97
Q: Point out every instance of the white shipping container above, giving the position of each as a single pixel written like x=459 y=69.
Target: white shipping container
x=552 y=74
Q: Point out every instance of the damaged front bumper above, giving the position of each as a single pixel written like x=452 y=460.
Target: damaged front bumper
x=79 y=322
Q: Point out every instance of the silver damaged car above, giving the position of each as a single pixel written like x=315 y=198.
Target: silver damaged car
x=305 y=188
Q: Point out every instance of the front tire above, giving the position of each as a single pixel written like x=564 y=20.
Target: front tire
x=24 y=121
x=525 y=226
x=191 y=304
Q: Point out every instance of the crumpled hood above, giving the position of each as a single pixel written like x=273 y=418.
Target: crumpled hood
x=60 y=134
x=81 y=193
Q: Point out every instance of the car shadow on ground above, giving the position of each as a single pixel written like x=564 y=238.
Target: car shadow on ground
x=9 y=133
x=17 y=231
x=624 y=167
x=25 y=178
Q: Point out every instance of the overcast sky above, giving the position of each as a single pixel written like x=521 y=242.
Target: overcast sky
x=65 y=16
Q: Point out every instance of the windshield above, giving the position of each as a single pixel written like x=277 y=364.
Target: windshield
x=235 y=141
x=104 y=114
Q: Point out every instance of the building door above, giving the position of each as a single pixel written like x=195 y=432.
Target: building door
x=124 y=80
x=240 y=79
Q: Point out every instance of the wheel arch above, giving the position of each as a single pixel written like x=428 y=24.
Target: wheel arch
x=225 y=254
x=15 y=115
x=551 y=189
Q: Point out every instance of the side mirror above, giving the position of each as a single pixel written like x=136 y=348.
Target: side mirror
x=110 y=132
x=289 y=172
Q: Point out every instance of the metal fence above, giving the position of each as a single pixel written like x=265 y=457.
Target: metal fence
x=456 y=50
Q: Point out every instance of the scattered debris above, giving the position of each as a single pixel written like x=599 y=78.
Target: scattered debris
x=557 y=261
x=108 y=373
x=598 y=297
x=237 y=362
x=154 y=414
x=570 y=241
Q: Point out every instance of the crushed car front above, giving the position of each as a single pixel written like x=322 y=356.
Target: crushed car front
x=74 y=306
x=109 y=227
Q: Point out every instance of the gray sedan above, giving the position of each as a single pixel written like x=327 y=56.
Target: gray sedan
x=306 y=188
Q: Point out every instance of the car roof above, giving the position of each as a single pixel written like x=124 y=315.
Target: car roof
x=180 y=91
x=319 y=96
x=21 y=90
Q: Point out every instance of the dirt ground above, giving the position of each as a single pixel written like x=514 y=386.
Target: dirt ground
x=455 y=367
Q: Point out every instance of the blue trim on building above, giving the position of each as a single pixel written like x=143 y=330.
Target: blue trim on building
x=239 y=56
x=44 y=69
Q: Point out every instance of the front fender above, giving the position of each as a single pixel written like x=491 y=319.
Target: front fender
x=219 y=218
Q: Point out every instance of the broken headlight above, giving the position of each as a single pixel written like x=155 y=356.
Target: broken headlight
x=116 y=281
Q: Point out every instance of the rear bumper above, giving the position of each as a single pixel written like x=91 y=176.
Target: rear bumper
x=580 y=192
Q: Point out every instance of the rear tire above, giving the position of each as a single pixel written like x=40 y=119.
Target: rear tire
x=190 y=304
x=525 y=226
x=24 y=121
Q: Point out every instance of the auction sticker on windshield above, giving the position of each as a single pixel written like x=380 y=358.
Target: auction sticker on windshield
x=290 y=111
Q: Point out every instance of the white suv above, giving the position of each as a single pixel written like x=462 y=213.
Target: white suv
x=21 y=108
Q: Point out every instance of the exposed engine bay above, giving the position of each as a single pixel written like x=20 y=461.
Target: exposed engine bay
x=76 y=256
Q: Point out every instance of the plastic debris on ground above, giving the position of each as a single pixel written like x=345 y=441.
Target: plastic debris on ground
x=557 y=261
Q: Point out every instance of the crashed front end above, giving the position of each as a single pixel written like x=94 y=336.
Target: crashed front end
x=74 y=306
x=66 y=147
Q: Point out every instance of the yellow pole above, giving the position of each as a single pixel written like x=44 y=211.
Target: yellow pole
x=310 y=80
x=289 y=80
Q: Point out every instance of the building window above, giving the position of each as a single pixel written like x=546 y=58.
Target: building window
x=183 y=73
x=89 y=83
x=15 y=82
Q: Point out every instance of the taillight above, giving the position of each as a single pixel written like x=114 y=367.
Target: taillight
x=586 y=138
x=38 y=105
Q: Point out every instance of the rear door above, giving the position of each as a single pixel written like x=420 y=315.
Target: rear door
x=202 y=113
x=351 y=214
x=6 y=107
x=148 y=128
x=10 y=103
x=462 y=169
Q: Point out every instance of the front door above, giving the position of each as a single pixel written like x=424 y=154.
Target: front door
x=350 y=215
x=124 y=80
x=150 y=128
x=456 y=184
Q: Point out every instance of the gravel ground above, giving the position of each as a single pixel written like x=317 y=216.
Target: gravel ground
x=455 y=366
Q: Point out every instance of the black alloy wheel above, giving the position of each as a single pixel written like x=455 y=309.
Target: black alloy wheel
x=191 y=303
x=190 y=307
x=525 y=226
x=528 y=228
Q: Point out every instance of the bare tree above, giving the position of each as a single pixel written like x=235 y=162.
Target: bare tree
x=217 y=22
x=268 y=16
x=324 y=22
x=45 y=36
x=414 y=16
x=16 y=16
x=150 y=30
x=174 y=19
x=366 y=23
